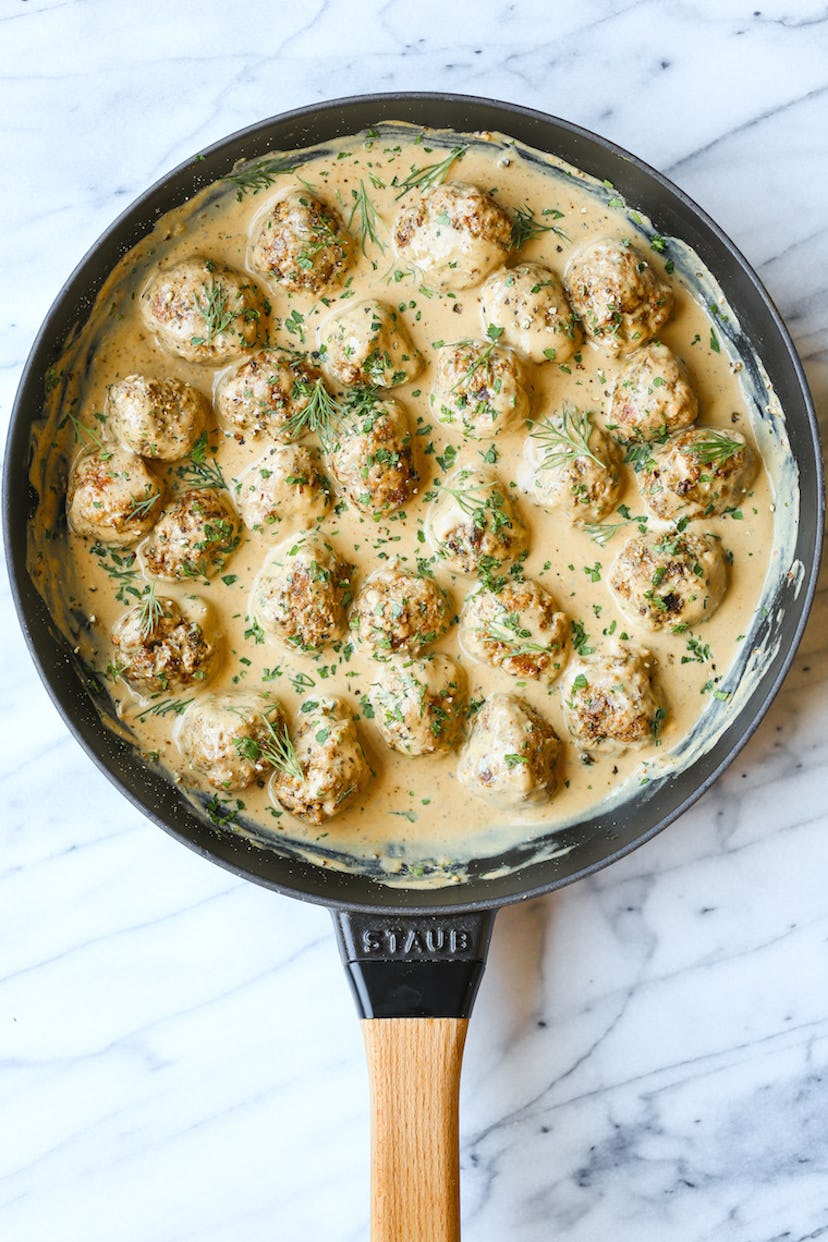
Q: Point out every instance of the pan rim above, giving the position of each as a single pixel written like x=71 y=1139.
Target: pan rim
x=448 y=899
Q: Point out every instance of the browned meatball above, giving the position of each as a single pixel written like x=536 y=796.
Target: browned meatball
x=652 y=396
x=301 y=593
x=193 y=537
x=419 y=703
x=287 y=486
x=474 y=524
x=301 y=243
x=673 y=579
x=620 y=299
x=570 y=464
x=226 y=737
x=161 y=419
x=481 y=387
x=112 y=496
x=397 y=610
x=204 y=312
x=609 y=699
x=511 y=758
x=324 y=766
x=160 y=649
x=373 y=456
x=698 y=473
x=518 y=629
x=367 y=344
x=267 y=393
x=455 y=234
x=528 y=303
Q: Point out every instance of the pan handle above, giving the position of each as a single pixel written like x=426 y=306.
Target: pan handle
x=415 y=979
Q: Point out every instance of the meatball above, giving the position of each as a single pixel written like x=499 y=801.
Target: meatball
x=419 y=703
x=397 y=610
x=474 y=524
x=202 y=311
x=267 y=393
x=112 y=496
x=161 y=419
x=666 y=580
x=454 y=234
x=518 y=629
x=481 y=387
x=325 y=765
x=160 y=649
x=367 y=344
x=285 y=486
x=609 y=699
x=697 y=473
x=226 y=737
x=301 y=593
x=512 y=755
x=528 y=303
x=620 y=299
x=372 y=457
x=300 y=242
x=652 y=396
x=193 y=537
x=570 y=464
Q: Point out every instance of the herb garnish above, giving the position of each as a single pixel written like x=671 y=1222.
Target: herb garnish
x=714 y=449
x=566 y=438
x=261 y=175
x=197 y=471
x=214 y=311
x=526 y=226
x=430 y=174
x=368 y=217
x=280 y=752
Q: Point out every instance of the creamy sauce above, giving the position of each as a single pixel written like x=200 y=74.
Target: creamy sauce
x=414 y=823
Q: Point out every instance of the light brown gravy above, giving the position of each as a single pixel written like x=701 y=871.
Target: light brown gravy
x=414 y=823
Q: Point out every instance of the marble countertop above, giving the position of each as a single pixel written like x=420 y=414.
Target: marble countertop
x=179 y=1054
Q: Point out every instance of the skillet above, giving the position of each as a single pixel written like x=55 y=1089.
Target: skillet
x=415 y=956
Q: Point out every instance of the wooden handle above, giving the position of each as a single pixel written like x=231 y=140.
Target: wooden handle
x=414 y=1066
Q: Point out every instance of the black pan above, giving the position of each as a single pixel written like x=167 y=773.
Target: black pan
x=415 y=957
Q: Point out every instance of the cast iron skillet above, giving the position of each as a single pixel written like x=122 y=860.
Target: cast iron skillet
x=415 y=957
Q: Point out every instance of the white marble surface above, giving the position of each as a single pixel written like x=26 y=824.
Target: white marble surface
x=179 y=1055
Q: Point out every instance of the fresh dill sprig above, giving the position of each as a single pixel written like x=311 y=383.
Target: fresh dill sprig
x=480 y=500
x=280 y=752
x=511 y=633
x=369 y=218
x=140 y=508
x=430 y=174
x=322 y=414
x=150 y=610
x=86 y=433
x=525 y=226
x=214 y=310
x=120 y=566
x=602 y=532
x=253 y=178
x=166 y=707
x=715 y=448
x=566 y=438
x=197 y=471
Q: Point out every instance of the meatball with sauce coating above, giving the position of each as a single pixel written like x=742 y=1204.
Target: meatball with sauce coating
x=455 y=234
x=652 y=396
x=301 y=593
x=480 y=387
x=372 y=457
x=419 y=703
x=112 y=497
x=225 y=737
x=266 y=394
x=528 y=303
x=512 y=755
x=285 y=486
x=397 y=610
x=324 y=766
x=161 y=649
x=609 y=699
x=367 y=344
x=518 y=629
x=193 y=537
x=570 y=464
x=474 y=524
x=300 y=242
x=662 y=580
x=698 y=473
x=203 y=311
x=161 y=419
x=619 y=297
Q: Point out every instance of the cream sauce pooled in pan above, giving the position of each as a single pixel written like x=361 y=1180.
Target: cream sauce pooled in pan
x=447 y=444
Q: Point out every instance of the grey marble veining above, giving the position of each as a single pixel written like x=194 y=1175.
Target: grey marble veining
x=179 y=1056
